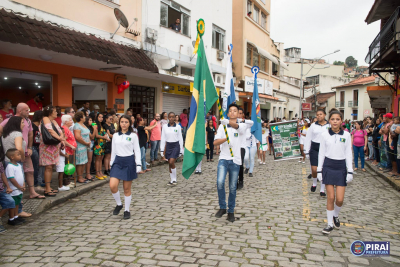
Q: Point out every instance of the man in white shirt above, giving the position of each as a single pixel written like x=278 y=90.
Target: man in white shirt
x=248 y=124
x=226 y=162
x=86 y=106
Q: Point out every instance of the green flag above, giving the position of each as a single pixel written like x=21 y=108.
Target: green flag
x=203 y=98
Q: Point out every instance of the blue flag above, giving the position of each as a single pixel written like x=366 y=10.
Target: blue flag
x=256 y=109
x=228 y=96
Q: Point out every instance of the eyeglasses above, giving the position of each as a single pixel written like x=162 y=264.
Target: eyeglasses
x=72 y=112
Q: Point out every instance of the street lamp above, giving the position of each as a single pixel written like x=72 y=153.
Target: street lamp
x=301 y=78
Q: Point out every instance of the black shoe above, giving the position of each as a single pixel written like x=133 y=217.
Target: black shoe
x=170 y=183
x=175 y=182
x=327 y=230
x=14 y=222
x=246 y=171
x=322 y=194
x=106 y=172
x=250 y=175
x=336 y=222
x=239 y=185
x=196 y=172
x=19 y=219
x=127 y=215
x=220 y=213
x=231 y=217
x=313 y=188
x=309 y=177
x=117 y=210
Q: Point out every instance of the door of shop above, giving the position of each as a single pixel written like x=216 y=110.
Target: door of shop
x=141 y=100
x=175 y=103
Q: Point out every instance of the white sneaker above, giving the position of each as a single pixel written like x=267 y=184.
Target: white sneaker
x=300 y=161
x=147 y=164
x=303 y=162
x=63 y=188
x=263 y=163
x=260 y=162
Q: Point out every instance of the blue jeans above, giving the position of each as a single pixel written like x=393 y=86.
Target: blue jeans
x=38 y=173
x=155 y=146
x=184 y=129
x=20 y=205
x=371 y=150
x=389 y=162
x=249 y=158
x=225 y=166
x=143 y=154
x=358 y=150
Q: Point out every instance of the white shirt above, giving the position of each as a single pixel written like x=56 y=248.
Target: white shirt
x=265 y=133
x=16 y=172
x=82 y=108
x=251 y=140
x=248 y=124
x=314 y=134
x=302 y=137
x=337 y=147
x=124 y=145
x=171 y=134
x=235 y=137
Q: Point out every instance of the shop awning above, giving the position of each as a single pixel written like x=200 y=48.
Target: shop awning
x=23 y=30
x=244 y=94
x=380 y=96
x=264 y=53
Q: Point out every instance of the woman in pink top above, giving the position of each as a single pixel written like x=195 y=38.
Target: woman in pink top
x=359 y=140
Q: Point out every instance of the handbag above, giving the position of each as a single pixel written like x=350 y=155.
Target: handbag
x=47 y=138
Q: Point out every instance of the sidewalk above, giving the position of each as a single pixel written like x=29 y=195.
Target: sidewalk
x=393 y=182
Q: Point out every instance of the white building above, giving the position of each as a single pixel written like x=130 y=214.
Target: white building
x=172 y=50
x=352 y=98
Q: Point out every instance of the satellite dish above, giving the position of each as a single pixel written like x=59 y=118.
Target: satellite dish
x=122 y=20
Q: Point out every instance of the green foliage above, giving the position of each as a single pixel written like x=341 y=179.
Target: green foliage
x=351 y=61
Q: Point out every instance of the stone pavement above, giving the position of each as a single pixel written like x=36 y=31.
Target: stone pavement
x=280 y=224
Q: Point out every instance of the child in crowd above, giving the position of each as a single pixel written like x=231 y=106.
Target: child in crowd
x=15 y=176
x=60 y=169
x=6 y=201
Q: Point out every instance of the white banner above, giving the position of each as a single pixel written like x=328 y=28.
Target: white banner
x=249 y=84
x=268 y=87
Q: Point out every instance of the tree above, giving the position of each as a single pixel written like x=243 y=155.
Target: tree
x=340 y=63
x=351 y=61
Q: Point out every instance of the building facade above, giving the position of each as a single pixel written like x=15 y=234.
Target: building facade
x=67 y=51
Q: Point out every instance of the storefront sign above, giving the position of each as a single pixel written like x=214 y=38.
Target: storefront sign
x=249 y=84
x=119 y=104
x=366 y=112
x=306 y=106
x=285 y=140
x=262 y=101
x=268 y=87
x=177 y=89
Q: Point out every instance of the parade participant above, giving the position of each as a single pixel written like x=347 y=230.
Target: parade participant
x=227 y=163
x=311 y=146
x=210 y=135
x=335 y=167
x=303 y=134
x=125 y=163
x=243 y=145
x=251 y=150
x=172 y=144
x=264 y=146
x=198 y=169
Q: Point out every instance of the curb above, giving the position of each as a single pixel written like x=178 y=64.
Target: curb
x=394 y=183
x=50 y=202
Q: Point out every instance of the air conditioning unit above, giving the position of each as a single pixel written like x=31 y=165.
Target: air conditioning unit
x=155 y=35
x=220 y=55
x=151 y=34
x=219 y=79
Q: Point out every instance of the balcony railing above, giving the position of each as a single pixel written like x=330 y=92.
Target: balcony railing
x=385 y=37
x=353 y=103
x=339 y=104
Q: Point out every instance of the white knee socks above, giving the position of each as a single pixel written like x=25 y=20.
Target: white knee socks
x=329 y=215
x=198 y=168
x=336 y=211
x=322 y=187
x=127 y=202
x=117 y=198
x=314 y=181
x=173 y=175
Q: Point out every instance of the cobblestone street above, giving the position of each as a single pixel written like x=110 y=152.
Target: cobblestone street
x=280 y=224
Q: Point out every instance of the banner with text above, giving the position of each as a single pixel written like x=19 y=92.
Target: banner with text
x=285 y=140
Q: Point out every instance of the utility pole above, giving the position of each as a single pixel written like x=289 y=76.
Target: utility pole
x=301 y=90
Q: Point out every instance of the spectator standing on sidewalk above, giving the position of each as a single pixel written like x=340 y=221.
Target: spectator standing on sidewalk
x=376 y=137
x=82 y=137
x=88 y=123
x=38 y=173
x=184 y=123
x=7 y=203
x=6 y=109
x=155 y=138
x=142 y=141
x=99 y=144
x=359 y=141
x=210 y=135
x=109 y=127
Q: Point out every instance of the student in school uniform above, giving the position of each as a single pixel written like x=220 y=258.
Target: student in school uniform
x=265 y=144
x=335 y=167
x=311 y=146
x=243 y=146
x=171 y=145
x=227 y=163
x=125 y=163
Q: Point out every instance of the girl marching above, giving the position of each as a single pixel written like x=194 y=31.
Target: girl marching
x=335 y=167
x=125 y=163
x=264 y=146
x=171 y=145
x=303 y=134
x=311 y=146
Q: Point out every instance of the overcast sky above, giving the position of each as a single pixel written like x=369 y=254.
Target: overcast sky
x=320 y=27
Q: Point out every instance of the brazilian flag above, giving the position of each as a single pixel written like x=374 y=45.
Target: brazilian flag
x=203 y=98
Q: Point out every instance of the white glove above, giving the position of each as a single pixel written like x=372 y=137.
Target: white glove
x=307 y=156
x=319 y=176
x=162 y=154
x=349 y=177
x=225 y=122
x=230 y=145
x=138 y=169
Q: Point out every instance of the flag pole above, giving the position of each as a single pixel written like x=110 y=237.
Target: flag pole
x=226 y=132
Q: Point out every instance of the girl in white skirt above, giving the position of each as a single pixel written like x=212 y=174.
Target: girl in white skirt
x=335 y=167
x=171 y=145
x=264 y=144
x=125 y=163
